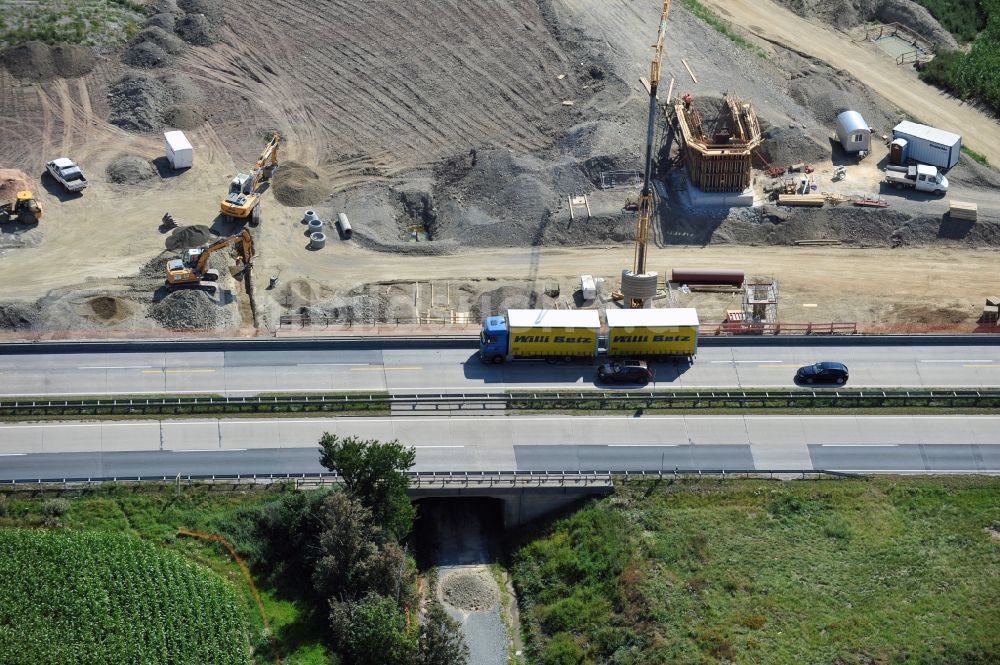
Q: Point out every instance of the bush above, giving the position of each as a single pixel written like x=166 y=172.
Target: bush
x=55 y=508
x=563 y=650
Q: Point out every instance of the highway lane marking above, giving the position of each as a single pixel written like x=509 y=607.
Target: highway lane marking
x=332 y=364
x=207 y=450
x=12 y=454
x=179 y=371
x=438 y=446
x=115 y=367
x=380 y=368
x=746 y=361
x=993 y=366
x=958 y=361
x=642 y=445
x=863 y=445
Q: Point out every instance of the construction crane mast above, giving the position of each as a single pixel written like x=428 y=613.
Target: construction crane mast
x=645 y=212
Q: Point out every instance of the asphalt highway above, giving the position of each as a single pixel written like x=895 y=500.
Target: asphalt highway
x=886 y=444
x=248 y=372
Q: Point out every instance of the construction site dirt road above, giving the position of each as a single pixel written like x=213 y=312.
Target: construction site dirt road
x=778 y=25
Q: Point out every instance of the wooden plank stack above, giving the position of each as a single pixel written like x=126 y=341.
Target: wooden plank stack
x=814 y=200
x=964 y=211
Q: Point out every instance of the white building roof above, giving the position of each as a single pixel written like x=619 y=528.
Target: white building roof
x=852 y=121
x=653 y=318
x=176 y=140
x=927 y=133
x=553 y=318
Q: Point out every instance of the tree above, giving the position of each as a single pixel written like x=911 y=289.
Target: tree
x=440 y=641
x=353 y=561
x=372 y=631
x=374 y=473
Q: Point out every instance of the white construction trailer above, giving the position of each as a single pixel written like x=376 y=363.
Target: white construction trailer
x=853 y=132
x=924 y=145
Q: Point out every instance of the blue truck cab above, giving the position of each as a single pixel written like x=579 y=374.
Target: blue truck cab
x=493 y=340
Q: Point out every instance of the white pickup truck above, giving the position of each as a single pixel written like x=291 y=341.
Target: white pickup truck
x=67 y=174
x=921 y=177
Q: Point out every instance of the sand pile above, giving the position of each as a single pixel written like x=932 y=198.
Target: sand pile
x=36 y=61
x=296 y=184
x=12 y=181
x=141 y=103
x=130 y=170
x=191 y=309
x=189 y=237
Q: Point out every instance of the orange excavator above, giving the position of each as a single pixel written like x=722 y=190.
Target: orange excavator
x=194 y=271
x=242 y=201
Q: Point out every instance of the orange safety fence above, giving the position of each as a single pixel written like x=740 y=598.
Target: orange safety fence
x=181 y=531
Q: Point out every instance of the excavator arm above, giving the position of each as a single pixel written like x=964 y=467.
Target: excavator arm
x=246 y=249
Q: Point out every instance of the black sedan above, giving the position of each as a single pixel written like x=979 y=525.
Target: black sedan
x=824 y=372
x=625 y=371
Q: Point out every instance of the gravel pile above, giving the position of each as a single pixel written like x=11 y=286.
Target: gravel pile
x=130 y=170
x=783 y=146
x=146 y=55
x=297 y=185
x=191 y=309
x=182 y=116
x=165 y=21
x=197 y=29
x=141 y=103
x=189 y=237
x=472 y=591
x=36 y=61
x=18 y=316
x=161 y=37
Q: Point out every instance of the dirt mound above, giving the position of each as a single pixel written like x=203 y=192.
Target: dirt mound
x=130 y=170
x=36 y=61
x=162 y=38
x=848 y=13
x=190 y=309
x=783 y=146
x=212 y=9
x=164 y=21
x=472 y=591
x=141 y=103
x=18 y=316
x=146 y=55
x=12 y=181
x=197 y=29
x=296 y=184
x=183 y=117
x=189 y=237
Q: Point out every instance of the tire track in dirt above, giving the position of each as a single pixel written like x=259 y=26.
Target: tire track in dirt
x=343 y=78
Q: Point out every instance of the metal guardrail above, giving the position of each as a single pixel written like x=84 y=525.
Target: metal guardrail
x=445 y=479
x=520 y=400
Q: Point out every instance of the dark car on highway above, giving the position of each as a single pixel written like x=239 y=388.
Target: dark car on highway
x=824 y=372
x=625 y=371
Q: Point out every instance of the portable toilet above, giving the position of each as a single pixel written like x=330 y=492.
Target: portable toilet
x=853 y=132
x=897 y=152
x=179 y=151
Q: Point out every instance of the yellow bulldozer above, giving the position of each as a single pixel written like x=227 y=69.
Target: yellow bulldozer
x=242 y=202
x=194 y=270
x=24 y=209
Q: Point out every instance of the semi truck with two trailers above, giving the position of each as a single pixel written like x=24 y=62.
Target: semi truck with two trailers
x=522 y=334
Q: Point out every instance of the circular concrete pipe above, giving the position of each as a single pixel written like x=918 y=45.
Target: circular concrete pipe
x=345 y=226
x=317 y=240
x=315 y=225
x=310 y=216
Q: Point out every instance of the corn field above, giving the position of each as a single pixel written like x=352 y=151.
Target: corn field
x=96 y=598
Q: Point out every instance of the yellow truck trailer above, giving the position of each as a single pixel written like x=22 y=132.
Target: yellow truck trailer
x=652 y=333
x=540 y=333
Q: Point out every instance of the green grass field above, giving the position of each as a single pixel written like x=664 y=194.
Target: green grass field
x=98 y=597
x=877 y=571
x=150 y=515
x=89 y=22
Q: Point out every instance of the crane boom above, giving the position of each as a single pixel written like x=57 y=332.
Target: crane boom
x=645 y=212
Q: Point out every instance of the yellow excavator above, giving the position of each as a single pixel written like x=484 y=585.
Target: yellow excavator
x=194 y=271
x=24 y=209
x=242 y=202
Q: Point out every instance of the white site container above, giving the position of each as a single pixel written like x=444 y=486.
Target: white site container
x=929 y=145
x=588 y=287
x=179 y=151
